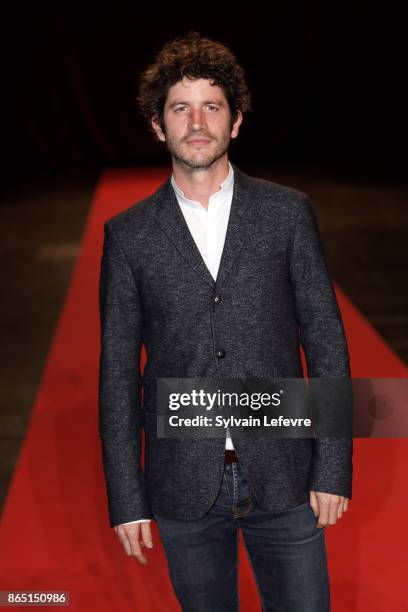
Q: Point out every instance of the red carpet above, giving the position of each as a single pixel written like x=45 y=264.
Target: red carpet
x=54 y=533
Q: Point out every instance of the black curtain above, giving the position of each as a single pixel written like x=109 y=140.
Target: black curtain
x=326 y=83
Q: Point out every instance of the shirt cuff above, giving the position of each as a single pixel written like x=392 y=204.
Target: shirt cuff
x=138 y=521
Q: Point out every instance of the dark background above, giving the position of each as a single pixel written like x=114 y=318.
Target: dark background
x=327 y=82
x=329 y=118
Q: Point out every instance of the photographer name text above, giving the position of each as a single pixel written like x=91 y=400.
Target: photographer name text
x=220 y=421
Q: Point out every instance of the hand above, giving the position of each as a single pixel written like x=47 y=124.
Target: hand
x=328 y=507
x=133 y=537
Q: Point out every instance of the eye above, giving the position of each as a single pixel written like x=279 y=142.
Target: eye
x=179 y=108
x=212 y=107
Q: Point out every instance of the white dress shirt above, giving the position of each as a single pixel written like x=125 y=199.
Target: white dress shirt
x=208 y=227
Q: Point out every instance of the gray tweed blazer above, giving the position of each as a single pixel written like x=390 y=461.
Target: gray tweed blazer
x=156 y=290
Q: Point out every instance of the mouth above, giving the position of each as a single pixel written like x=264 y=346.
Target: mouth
x=198 y=141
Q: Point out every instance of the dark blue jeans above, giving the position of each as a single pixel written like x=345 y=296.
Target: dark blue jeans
x=286 y=550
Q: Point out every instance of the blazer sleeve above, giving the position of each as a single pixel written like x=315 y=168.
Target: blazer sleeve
x=120 y=410
x=323 y=339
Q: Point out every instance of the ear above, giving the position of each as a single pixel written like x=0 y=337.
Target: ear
x=236 y=124
x=156 y=126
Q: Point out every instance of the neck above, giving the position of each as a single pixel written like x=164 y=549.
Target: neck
x=199 y=184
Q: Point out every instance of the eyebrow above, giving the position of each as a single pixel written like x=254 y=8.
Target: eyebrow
x=213 y=101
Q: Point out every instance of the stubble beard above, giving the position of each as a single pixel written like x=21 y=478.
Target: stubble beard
x=204 y=161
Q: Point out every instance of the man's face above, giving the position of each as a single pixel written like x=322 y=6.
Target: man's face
x=197 y=122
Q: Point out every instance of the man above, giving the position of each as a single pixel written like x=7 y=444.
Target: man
x=219 y=274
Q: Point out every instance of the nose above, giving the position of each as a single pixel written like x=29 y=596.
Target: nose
x=197 y=118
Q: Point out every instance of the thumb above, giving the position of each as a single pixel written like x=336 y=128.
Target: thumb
x=314 y=502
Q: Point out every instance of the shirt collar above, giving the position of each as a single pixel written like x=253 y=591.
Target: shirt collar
x=225 y=188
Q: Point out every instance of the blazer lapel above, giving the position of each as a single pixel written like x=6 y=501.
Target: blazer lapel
x=240 y=224
x=172 y=222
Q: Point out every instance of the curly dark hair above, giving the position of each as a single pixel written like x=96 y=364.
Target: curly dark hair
x=193 y=56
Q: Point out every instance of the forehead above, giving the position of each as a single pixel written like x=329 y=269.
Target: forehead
x=194 y=89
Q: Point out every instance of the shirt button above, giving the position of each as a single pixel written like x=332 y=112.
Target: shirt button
x=217 y=299
x=220 y=353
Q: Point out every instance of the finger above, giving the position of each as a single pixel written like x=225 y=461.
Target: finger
x=333 y=510
x=323 y=513
x=346 y=504
x=340 y=509
x=123 y=539
x=136 y=549
x=129 y=537
x=146 y=532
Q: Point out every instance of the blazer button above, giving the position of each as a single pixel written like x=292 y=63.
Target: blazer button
x=220 y=353
x=217 y=299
